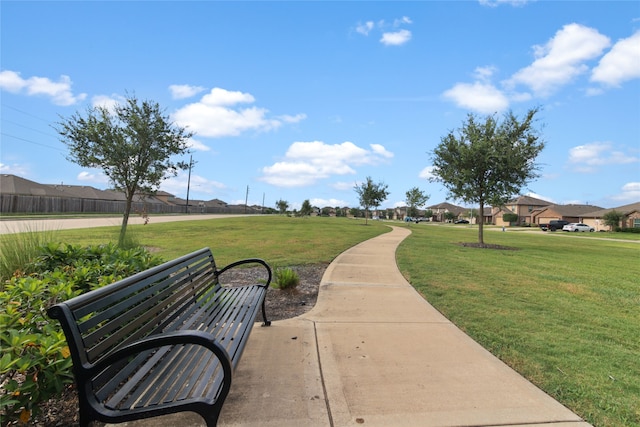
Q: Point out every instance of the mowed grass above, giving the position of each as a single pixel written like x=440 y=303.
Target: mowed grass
x=562 y=310
x=279 y=240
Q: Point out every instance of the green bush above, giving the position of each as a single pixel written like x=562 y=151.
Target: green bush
x=285 y=278
x=34 y=356
x=630 y=230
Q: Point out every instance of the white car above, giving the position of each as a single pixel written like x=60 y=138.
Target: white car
x=576 y=226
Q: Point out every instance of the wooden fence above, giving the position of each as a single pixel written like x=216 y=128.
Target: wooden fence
x=27 y=204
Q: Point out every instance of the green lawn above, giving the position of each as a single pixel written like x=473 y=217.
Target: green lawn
x=280 y=240
x=563 y=310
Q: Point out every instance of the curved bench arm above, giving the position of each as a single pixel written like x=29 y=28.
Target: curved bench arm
x=248 y=261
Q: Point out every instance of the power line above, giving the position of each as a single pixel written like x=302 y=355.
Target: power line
x=32 y=142
x=28 y=127
x=25 y=112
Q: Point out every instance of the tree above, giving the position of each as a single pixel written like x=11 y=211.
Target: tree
x=415 y=198
x=488 y=162
x=371 y=195
x=613 y=219
x=510 y=218
x=133 y=145
x=282 y=206
x=306 y=209
x=449 y=216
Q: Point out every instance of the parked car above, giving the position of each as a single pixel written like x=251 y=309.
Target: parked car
x=461 y=221
x=577 y=226
x=553 y=225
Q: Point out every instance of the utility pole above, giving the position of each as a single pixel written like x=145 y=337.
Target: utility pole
x=246 y=200
x=262 y=207
x=186 y=207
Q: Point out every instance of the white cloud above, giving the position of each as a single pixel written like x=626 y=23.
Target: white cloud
x=396 y=38
x=107 y=101
x=427 y=173
x=402 y=21
x=214 y=116
x=292 y=119
x=197 y=145
x=380 y=150
x=481 y=97
x=586 y=158
x=495 y=3
x=562 y=59
x=93 y=177
x=365 y=28
x=307 y=162
x=177 y=185
x=620 y=64
x=185 y=91
x=60 y=92
x=630 y=193
x=14 y=169
x=343 y=186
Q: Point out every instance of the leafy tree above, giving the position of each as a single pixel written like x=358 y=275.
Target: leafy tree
x=510 y=217
x=449 y=216
x=428 y=214
x=415 y=198
x=355 y=212
x=487 y=162
x=133 y=145
x=306 y=209
x=282 y=206
x=613 y=219
x=371 y=195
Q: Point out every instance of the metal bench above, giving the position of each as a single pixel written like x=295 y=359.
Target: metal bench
x=162 y=341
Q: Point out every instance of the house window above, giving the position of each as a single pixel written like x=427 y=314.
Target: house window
x=530 y=209
x=636 y=222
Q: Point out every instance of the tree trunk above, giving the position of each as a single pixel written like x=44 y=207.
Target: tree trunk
x=125 y=220
x=481 y=223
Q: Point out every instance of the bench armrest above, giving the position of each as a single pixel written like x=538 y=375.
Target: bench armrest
x=248 y=261
x=201 y=338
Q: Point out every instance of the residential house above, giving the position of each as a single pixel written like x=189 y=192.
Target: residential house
x=571 y=213
x=440 y=209
x=631 y=218
x=523 y=206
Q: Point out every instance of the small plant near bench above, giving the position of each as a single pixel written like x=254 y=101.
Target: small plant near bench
x=285 y=278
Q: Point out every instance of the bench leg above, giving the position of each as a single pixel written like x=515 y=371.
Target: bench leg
x=264 y=315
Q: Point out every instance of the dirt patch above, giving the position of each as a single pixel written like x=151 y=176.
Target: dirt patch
x=487 y=246
x=281 y=304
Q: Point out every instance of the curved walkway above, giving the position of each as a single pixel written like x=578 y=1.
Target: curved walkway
x=373 y=352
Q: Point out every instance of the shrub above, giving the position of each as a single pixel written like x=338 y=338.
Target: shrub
x=285 y=278
x=34 y=357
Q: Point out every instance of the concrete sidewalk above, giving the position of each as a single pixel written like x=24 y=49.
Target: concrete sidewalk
x=373 y=352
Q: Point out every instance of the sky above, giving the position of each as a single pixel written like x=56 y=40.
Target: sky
x=303 y=100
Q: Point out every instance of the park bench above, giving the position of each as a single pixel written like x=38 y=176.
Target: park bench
x=162 y=341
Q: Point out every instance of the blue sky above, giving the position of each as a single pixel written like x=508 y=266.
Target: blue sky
x=303 y=100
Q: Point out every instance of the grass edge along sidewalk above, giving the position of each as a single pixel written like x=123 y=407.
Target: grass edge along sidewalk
x=563 y=312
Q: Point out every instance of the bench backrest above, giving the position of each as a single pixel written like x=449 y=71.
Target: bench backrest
x=154 y=300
